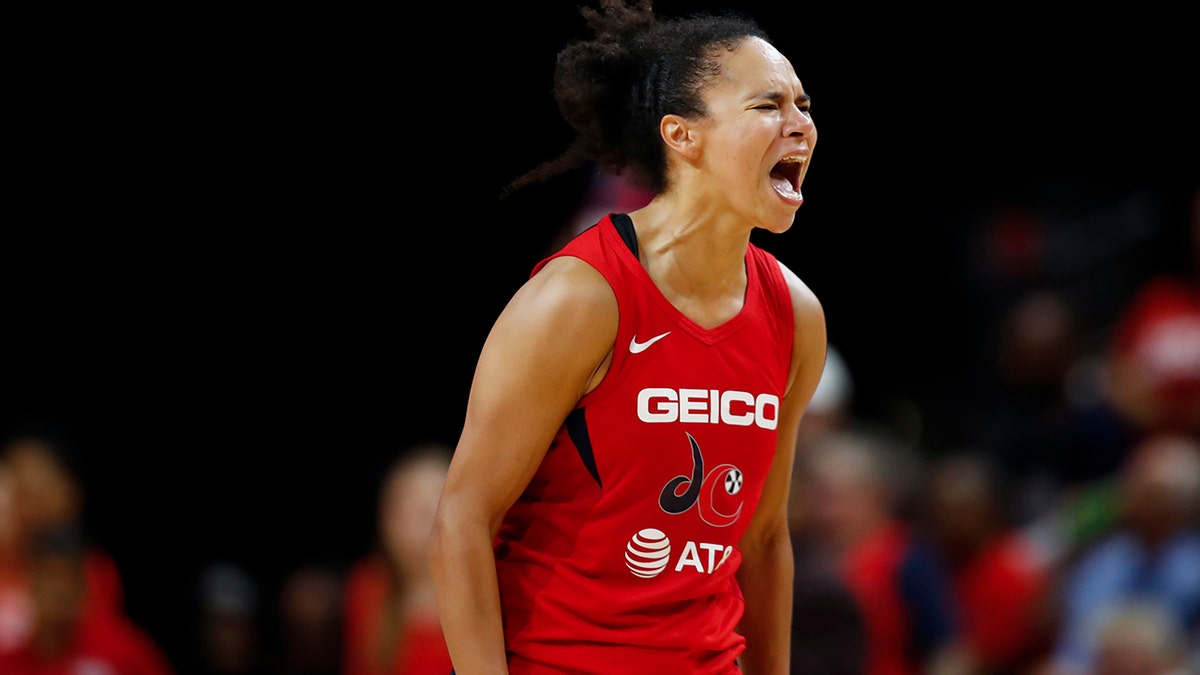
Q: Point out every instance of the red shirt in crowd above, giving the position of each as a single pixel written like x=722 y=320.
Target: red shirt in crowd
x=106 y=643
x=416 y=648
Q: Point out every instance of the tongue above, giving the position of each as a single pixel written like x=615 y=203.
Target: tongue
x=782 y=185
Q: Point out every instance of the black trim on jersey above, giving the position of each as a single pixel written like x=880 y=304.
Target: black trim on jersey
x=577 y=430
x=576 y=422
x=624 y=225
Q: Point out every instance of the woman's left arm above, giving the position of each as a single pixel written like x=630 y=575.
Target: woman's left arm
x=767 y=569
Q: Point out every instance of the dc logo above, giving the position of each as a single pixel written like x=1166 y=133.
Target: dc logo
x=733 y=481
x=702 y=489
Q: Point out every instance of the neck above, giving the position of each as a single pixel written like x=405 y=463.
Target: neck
x=699 y=230
x=697 y=261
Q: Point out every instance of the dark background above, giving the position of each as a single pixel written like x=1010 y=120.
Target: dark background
x=250 y=257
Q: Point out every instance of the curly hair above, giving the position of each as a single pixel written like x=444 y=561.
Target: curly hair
x=614 y=88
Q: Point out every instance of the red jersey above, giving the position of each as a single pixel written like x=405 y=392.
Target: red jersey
x=619 y=557
x=105 y=593
x=419 y=647
x=999 y=594
x=105 y=643
x=871 y=570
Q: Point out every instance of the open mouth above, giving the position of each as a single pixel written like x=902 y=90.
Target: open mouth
x=785 y=176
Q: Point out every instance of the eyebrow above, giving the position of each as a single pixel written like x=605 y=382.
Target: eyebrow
x=776 y=95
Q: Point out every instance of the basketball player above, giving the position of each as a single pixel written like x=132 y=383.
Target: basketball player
x=617 y=500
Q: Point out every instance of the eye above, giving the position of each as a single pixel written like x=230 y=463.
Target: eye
x=766 y=106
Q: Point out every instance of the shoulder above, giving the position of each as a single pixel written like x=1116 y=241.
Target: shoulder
x=805 y=302
x=562 y=320
x=570 y=276
x=115 y=639
x=809 y=340
x=563 y=288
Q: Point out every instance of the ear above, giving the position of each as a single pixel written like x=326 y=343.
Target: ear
x=679 y=135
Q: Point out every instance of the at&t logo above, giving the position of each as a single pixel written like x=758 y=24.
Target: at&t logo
x=648 y=553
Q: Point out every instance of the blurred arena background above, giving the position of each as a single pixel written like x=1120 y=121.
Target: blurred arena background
x=250 y=255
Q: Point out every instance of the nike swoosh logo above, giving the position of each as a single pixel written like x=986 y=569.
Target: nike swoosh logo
x=636 y=347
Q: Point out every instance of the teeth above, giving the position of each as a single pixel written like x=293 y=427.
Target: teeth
x=793 y=160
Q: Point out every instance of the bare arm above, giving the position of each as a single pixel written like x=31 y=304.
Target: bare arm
x=766 y=573
x=536 y=363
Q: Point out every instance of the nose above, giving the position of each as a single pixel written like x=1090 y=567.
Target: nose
x=799 y=122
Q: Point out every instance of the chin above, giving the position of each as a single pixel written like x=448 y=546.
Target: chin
x=779 y=224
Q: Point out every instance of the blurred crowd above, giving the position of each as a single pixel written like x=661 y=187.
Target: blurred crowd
x=1054 y=531
x=61 y=597
x=62 y=606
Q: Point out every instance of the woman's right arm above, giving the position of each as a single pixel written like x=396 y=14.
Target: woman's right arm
x=539 y=358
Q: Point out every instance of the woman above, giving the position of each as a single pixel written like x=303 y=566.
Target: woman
x=617 y=501
x=390 y=620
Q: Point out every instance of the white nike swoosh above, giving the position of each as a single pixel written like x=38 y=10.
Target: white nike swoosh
x=636 y=347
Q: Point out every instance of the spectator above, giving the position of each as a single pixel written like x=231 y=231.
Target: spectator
x=1140 y=640
x=828 y=627
x=40 y=490
x=1156 y=346
x=856 y=483
x=230 y=640
x=994 y=576
x=1151 y=556
x=1036 y=430
x=829 y=411
x=391 y=621
x=65 y=636
x=310 y=622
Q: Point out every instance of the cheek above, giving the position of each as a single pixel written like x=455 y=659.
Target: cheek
x=741 y=156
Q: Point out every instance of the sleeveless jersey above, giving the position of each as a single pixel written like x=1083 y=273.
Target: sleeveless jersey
x=619 y=556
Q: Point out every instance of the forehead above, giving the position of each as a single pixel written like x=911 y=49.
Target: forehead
x=758 y=65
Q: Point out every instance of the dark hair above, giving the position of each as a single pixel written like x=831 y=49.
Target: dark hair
x=615 y=88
